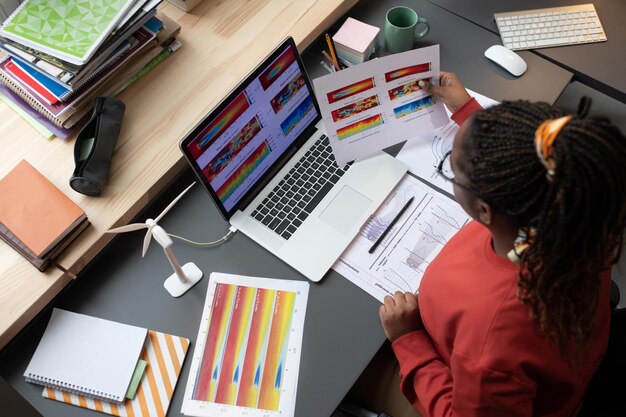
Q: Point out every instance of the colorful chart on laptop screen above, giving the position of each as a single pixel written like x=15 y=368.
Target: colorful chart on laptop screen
x=247 y=352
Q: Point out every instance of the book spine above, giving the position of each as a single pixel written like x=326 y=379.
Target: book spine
x=8 y=82
x=38 y=64
x=19 y=247
x=32 y=116
x=19 y=74
x=71 y=69
x=141 y=38
x=165 y=52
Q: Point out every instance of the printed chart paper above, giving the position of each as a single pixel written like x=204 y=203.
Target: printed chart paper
x=424 y=151
x=399 y=262
x=247 y=355
x=379 y=103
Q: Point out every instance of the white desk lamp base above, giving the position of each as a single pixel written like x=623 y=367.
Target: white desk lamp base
x=175 y=287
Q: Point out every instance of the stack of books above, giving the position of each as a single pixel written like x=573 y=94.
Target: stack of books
x=36 y=218
x=57 y=56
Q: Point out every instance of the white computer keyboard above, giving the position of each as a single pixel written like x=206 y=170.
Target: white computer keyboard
x=556 y=26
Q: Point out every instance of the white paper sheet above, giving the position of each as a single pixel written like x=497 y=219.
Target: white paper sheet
x=379 y=103
x=399 y=262
x=247 y=355
x=422 y=153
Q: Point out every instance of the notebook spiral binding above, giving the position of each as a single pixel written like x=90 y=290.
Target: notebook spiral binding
x=72 y=389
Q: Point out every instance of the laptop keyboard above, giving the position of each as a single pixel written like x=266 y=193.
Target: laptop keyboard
x=301 y=190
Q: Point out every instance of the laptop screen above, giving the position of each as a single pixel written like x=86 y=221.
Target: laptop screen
x=249 y=133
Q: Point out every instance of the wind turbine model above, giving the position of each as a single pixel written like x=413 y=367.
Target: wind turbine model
x=183 y=277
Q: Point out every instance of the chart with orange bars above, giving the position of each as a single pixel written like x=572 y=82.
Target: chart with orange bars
x=247 y=355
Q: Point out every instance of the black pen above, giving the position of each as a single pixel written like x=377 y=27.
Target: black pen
x=395 y=219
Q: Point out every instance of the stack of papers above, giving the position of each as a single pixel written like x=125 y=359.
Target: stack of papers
x=355 y=41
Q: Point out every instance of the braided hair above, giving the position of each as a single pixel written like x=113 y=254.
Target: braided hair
x=579 y=214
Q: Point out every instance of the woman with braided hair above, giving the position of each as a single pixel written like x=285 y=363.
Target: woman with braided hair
x=513 y=314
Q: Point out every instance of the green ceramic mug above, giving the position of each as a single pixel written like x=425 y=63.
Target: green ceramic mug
x=400 y=25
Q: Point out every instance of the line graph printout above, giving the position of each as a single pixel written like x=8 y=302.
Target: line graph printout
x=422 y=154
x=399 y=262
x=247 y=355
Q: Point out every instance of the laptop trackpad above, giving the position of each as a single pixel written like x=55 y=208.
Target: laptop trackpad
x=345 y=209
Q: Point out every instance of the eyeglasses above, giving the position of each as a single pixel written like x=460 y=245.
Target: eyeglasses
x=447 y=177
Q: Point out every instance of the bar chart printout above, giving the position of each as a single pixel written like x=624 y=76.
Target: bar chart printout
x=247 y=354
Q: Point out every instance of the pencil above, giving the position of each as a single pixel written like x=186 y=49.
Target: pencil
x=329 y=59
x=395 y=219
x=333 y=53
x=327 y=67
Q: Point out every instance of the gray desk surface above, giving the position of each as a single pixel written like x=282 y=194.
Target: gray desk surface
x=601 y=66
x=342 y=331
x=462 y=48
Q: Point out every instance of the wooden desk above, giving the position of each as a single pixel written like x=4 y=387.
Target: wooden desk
x=222 y=42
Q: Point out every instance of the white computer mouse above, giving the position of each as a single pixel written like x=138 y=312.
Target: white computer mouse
x=507 y=59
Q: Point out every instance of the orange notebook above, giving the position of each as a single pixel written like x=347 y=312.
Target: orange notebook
x=36 y=212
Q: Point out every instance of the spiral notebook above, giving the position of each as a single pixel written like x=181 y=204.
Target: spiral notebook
x=71 y=30
x=86 y=355
x=165 y=355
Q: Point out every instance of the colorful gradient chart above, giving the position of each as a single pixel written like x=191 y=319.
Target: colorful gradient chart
x=239 y=176
x=298 y=114
x=277 y=68
x=226 y=118
x=232 y=148
x=406 y=71
x=350 y=90
x=403 y=90
x=413 y=106
x=247 y=354
x=355 y=108
x=360 y=126
x=287 y=93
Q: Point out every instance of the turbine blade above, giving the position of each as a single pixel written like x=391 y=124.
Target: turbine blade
x=164 y=212
x=127 y=228
x=146 y=242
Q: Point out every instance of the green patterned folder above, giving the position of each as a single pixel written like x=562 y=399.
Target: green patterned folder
x=71 y=30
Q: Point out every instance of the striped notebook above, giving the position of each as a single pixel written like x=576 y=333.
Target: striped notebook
x=165 y=355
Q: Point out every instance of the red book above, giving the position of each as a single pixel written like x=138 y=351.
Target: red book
x=23 y=77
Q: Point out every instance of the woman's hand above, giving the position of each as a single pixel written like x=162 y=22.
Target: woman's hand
x=450 y=90
x=400 y=315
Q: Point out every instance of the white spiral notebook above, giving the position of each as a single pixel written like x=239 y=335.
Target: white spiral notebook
x=86 y=355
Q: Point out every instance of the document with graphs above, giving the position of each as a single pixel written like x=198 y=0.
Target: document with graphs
x=399 y=261
x=379 y=103
x=247 y=356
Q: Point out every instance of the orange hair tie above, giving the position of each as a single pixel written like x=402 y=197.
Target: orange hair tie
x=545 y=135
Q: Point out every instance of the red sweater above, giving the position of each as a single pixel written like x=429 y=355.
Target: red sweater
x=480 y=354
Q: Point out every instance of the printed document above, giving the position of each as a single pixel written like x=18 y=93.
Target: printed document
x=399 y=262
x=247 y=356
x=379 y=103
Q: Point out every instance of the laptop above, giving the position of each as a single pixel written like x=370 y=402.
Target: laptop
x=263 y=156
